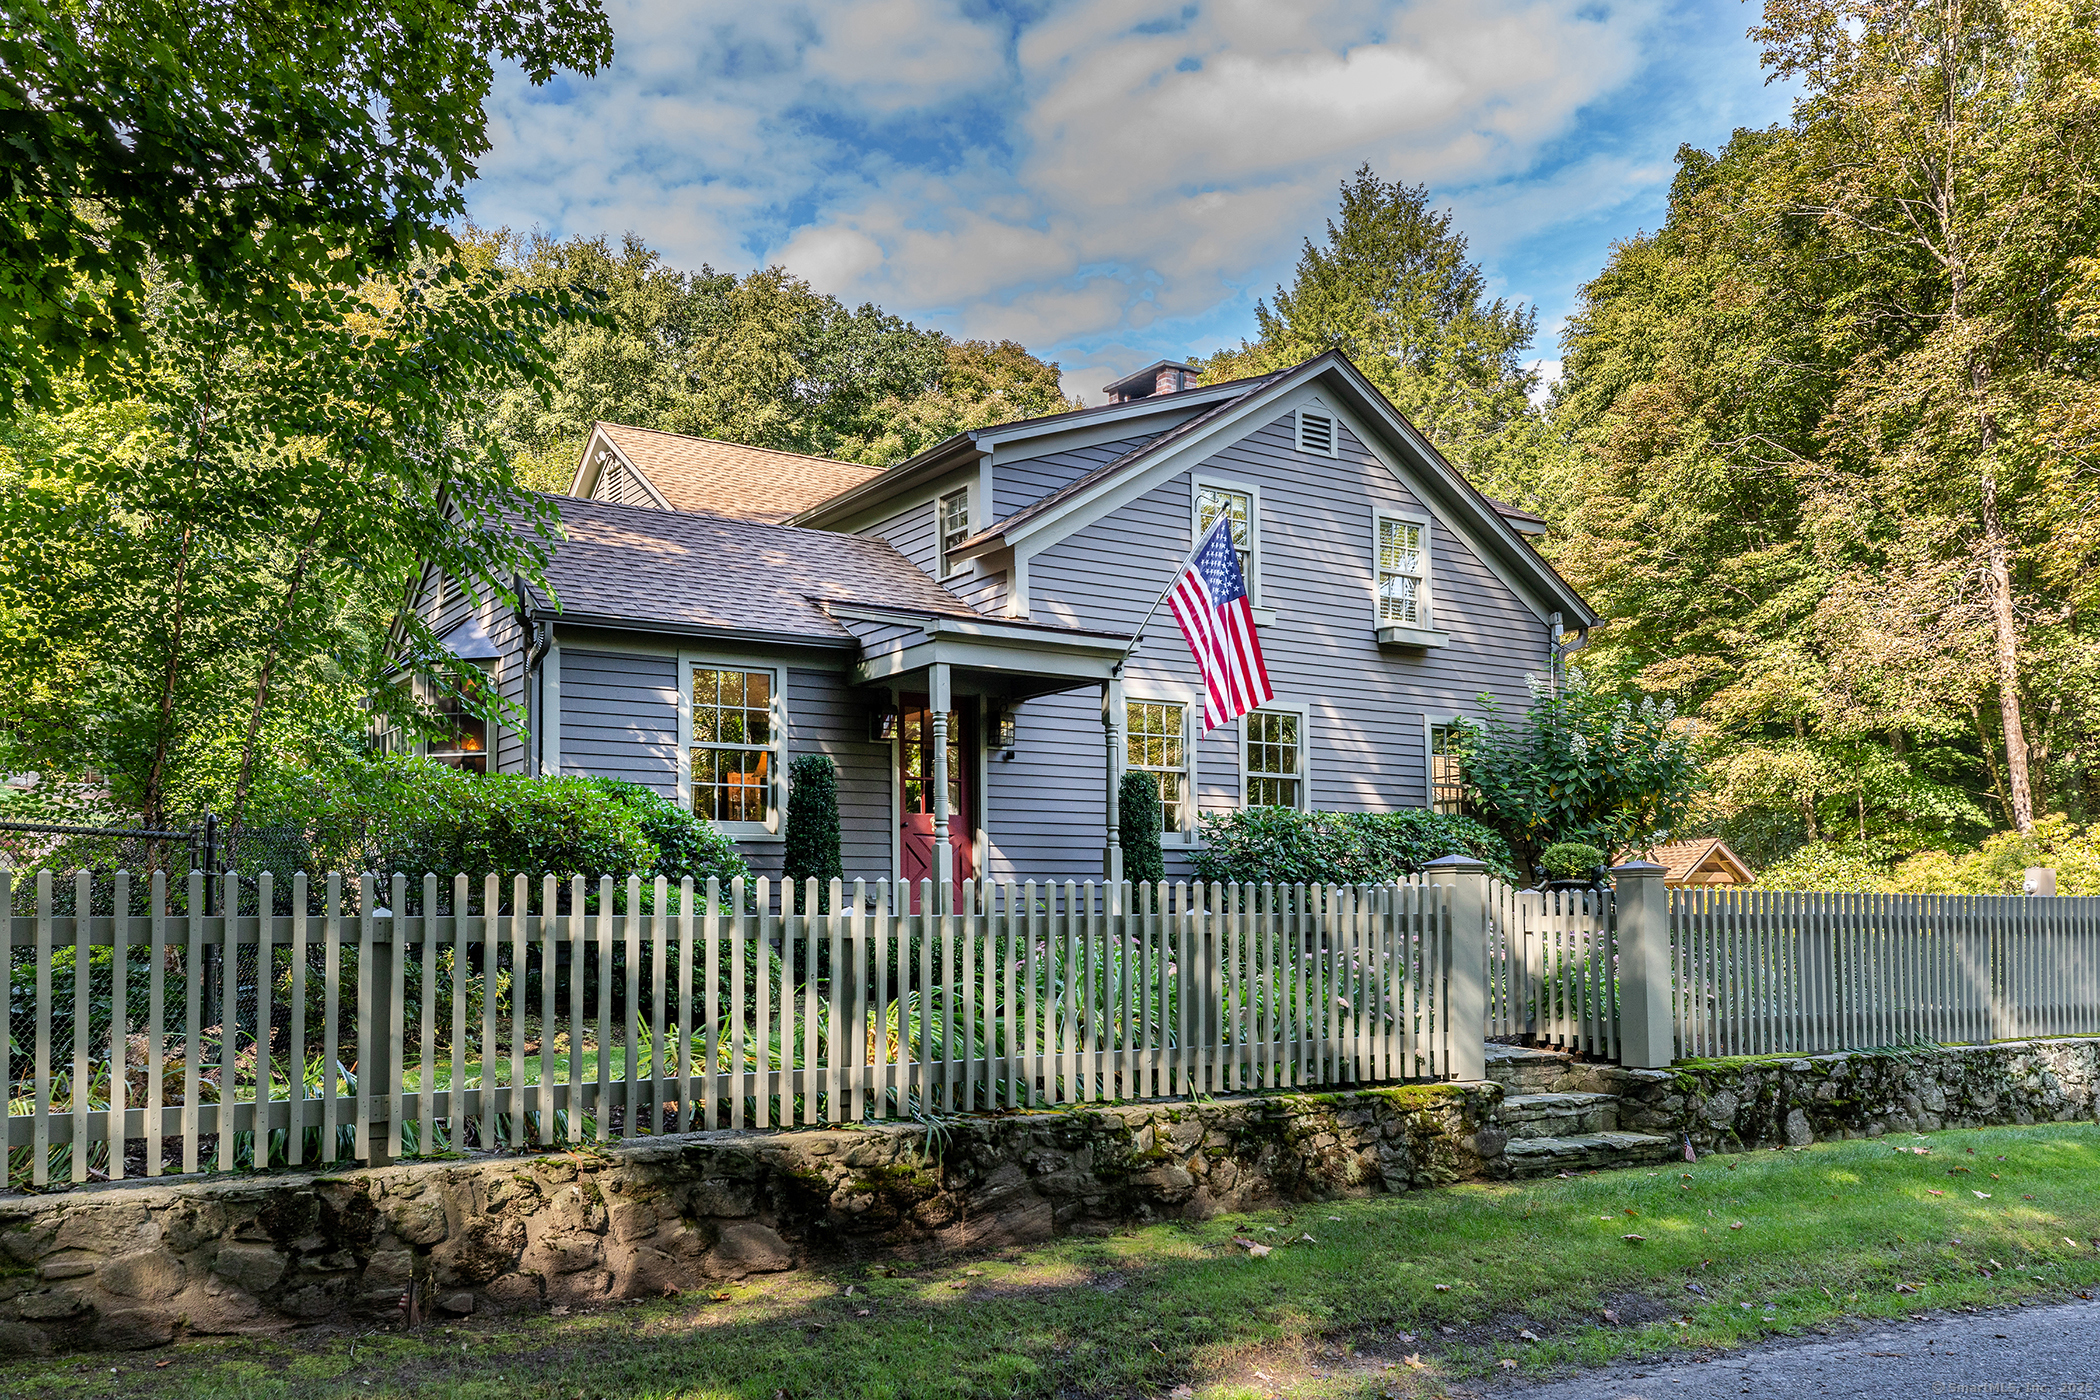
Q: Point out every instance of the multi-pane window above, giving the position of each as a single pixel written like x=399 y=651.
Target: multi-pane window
x=1215 y=501
x=732 y=751
x=1401 y=571
x=954 y=513
x=464 y=741
x=1155 y=740
x=1275 y=759
x=1446 y=791
x=917 y=756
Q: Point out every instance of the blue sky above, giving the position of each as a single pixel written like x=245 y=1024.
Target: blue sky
x=1112 y=183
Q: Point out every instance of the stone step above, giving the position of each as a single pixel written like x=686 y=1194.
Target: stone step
x=1543 y=1156
x=1557 y=1115
x=1522 y=1070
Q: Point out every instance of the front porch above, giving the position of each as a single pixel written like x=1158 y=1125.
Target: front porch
x=951 y=688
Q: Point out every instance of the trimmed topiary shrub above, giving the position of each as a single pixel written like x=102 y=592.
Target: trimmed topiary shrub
x=1570 y=860
x=1138 y=824
x=1276 y=845
x=812 y=826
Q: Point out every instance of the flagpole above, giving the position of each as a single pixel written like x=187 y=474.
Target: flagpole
x=1224 y=522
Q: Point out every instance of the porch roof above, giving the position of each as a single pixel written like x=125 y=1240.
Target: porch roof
x=985 y=654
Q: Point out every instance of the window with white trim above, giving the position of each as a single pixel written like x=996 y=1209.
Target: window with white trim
x=734 y=751
x=1403 y=573
x=1155 y=740
x=953 y=519
x=1273 y=758
x=1317 y=433
x=1447 y=792
x=463 y=742
x=1212 y=502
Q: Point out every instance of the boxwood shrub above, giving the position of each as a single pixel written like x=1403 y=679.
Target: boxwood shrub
x=1276 y=845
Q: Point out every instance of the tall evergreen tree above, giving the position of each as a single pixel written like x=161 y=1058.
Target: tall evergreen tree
x=1392 y=287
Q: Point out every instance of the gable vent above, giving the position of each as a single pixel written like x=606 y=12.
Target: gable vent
x=1315 y=432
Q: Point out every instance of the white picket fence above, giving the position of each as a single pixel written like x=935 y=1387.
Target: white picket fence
x=372 y=1022
x=1552 y=968
x=1762 y=972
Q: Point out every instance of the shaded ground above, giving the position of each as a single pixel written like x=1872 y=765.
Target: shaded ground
x=1420 y=1294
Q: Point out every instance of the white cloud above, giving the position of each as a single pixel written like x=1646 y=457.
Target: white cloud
x=1089 y=181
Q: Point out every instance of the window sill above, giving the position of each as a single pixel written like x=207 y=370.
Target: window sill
x=1264 y=617
x=747 y=831
x=1421 y=637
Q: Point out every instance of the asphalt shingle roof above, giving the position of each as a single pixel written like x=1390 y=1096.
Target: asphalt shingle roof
x=729 y=478
x=683 y=569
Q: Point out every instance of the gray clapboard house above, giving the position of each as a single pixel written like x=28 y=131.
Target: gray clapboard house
x=958 y=631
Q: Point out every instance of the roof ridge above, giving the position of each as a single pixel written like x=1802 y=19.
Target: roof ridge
x=731 y=442
x=658 y=513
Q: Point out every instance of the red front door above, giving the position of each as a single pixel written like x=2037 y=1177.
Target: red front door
x=915 y=788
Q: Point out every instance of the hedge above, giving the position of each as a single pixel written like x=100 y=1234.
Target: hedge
x=415 y=817
x=1276 y=845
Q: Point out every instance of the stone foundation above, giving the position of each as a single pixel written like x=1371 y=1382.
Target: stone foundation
x=1730 y=1105
x=136 y=1265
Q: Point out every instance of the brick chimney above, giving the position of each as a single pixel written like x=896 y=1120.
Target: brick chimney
x=1164 y=377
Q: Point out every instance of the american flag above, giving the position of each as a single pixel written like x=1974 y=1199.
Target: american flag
x=1210 y=602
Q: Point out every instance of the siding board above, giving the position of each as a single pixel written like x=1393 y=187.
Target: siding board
x=619 y=717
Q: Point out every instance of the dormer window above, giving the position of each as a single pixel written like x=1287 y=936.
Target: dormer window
x=953 y=516
x=1316 y=433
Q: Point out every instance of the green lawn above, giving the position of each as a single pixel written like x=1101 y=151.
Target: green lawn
x=1347 y=1294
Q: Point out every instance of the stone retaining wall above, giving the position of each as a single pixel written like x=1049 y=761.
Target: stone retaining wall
x=136 y=1265
x=1729 y=1105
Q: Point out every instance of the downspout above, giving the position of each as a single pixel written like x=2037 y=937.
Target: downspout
x=542 y=639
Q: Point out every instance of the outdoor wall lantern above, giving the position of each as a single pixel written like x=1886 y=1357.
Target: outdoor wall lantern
x=1004 y=729
x=882 y=725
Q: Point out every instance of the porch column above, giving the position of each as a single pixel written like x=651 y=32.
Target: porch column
x=1112 y=731
x=937 y=701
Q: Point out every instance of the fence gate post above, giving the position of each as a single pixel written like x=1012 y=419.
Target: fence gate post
x=1641 y=910
x=1466 y=1016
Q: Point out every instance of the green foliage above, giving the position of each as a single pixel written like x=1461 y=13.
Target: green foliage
x=416 y=817
x=1392 y=288
x=762 y=359
x=1818 y=866
x=1801 y=426
x=812 y=826
x=1582 y=764
x=203 y=574
x=1139 y=824
x=1278 y=845
x=238 y=151
x=1570 y=860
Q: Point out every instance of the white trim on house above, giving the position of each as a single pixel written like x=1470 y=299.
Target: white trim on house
x=1430 y=724
x=1189 y=833
x=1198 y=481
x=943 y=568
x=1424 y=630
x=771 y=829
x=1304 y=713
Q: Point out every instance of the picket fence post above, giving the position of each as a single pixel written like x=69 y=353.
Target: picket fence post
x=1465 y=1017
x=1647 y=1027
